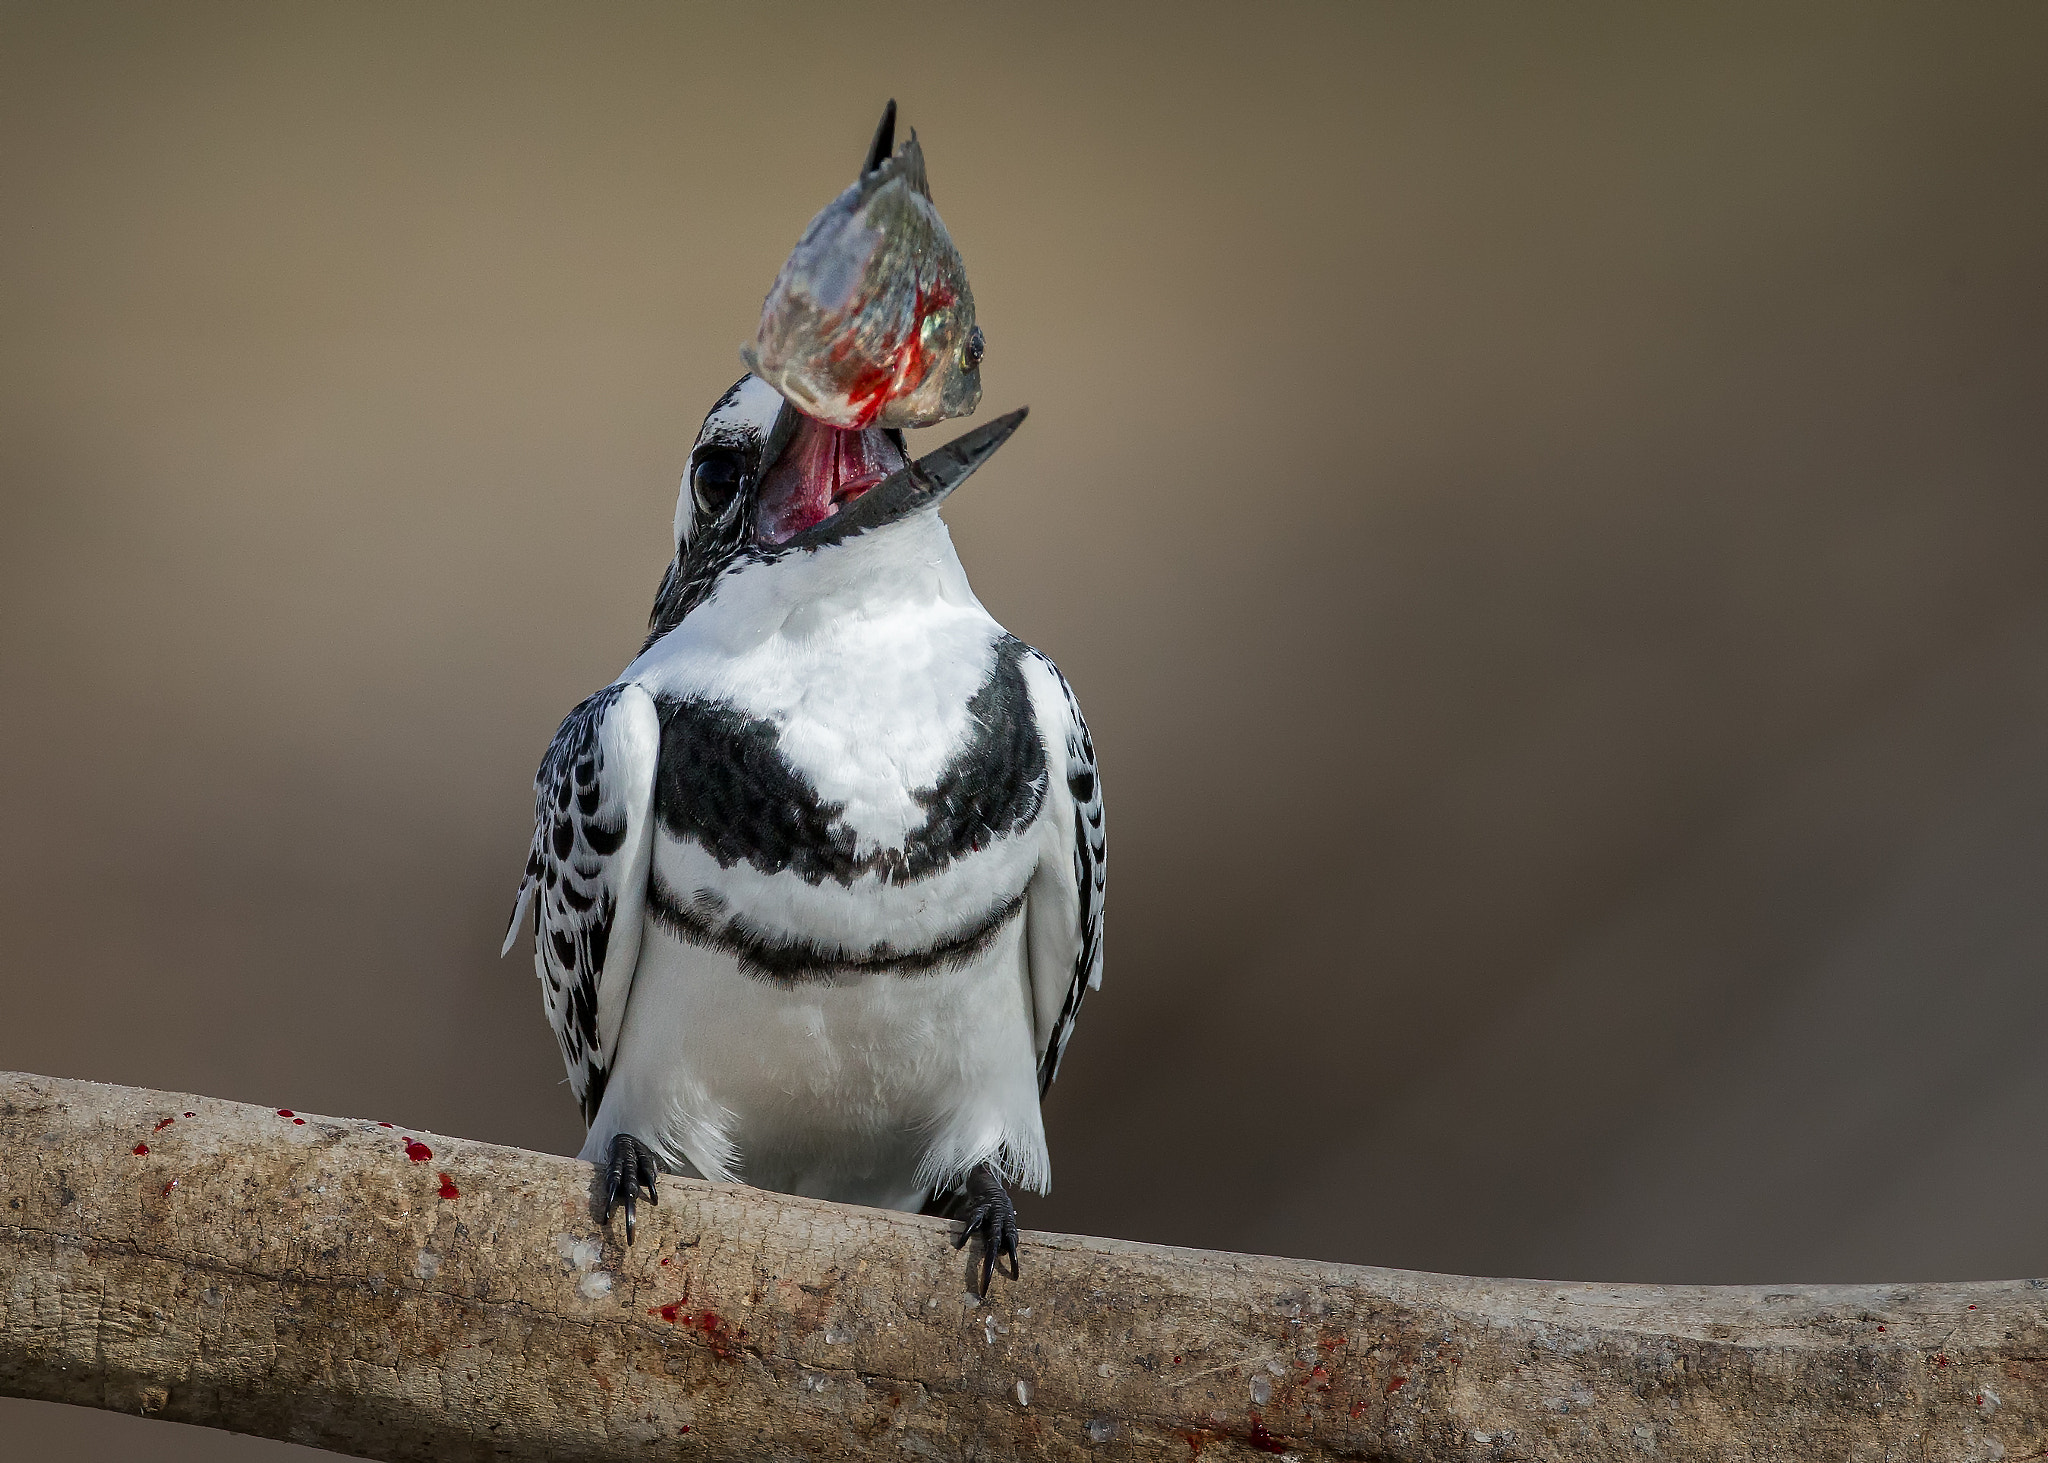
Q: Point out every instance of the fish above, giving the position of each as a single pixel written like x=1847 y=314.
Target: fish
x=870 y=322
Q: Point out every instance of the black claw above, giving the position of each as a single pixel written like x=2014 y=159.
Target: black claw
x=991 y=1217
x=629 y=1168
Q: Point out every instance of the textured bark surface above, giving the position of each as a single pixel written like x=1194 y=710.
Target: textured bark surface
x=402 y=1295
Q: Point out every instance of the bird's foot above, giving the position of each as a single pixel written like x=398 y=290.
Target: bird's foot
x=991 y=1217
x=629 y=1168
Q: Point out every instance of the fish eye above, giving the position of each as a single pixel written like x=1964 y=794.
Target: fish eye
x=971 y=350
x=715 y=480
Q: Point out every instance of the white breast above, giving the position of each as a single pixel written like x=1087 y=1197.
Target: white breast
x=864 y=657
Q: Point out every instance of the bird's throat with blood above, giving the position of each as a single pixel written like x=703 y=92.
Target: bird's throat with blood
x=821 y=470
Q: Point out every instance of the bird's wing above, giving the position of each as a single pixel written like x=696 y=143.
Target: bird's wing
x=1064 y=906
x=593 y=837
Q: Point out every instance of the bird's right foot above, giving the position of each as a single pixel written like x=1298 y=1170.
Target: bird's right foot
x=629 y=1168
x=990 y=1217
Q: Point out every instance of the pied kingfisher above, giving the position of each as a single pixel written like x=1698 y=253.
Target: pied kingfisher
x=818 y=880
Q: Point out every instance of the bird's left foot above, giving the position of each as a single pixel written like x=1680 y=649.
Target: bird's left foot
x=990 y=1217
x=629 y=1168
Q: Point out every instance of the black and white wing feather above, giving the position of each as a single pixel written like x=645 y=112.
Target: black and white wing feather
x=593 y=837
x=1066 y=894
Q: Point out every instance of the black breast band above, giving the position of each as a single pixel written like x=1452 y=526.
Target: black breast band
x=725 y=785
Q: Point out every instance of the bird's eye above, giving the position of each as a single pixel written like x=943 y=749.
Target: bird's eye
x=971 y=349
x=715 y=480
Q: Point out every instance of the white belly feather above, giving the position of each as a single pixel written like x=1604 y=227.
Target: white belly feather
x=866 y=1092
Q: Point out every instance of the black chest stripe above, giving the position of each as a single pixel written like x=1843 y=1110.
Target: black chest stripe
x=782 y=961
x=725 y=785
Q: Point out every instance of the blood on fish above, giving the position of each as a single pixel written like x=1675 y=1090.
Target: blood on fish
x=383 y=1125
x=870 y=321
x=191 y=1114
x=868 y=392
x=299 y=1122
x=285 y=1112
x=162 y=1125
x=141 y=1149
x=908 y=362
x=417 y=1151
x=448 y=1189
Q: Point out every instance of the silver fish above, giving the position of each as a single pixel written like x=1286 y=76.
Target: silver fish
x=871 y=322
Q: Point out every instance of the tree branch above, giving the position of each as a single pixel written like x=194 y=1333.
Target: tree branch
x=400 y=1295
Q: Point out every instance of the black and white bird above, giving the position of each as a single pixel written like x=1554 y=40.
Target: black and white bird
x=818 y=881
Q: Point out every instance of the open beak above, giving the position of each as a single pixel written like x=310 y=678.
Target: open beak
x=821 y=470
x=845 y=473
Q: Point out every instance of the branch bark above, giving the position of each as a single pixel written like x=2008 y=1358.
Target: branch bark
x=402 y=1295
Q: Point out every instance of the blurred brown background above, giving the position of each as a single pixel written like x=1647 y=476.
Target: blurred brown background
x=1544 y=508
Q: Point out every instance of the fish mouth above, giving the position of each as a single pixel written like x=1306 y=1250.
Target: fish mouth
x=821 y=471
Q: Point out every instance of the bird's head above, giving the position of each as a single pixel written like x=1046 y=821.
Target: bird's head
x=765 y=482
x=868 y=329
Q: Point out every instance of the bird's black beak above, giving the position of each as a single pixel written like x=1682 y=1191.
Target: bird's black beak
x=921 y=485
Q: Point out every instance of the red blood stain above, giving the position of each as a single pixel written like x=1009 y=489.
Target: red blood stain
x=664 y=1259
x=141 y=1149
x=191 y=1114
x=710 y=1323
x=1397 y=1384
x=417 y=1151
x=383 y=1125
x=162 y=1125
x=299 y=1122
x=1940 y=1361
x=1980 y=1396
x=1176 y=1361
x=285 y=1112
x=1331 y=1343
x=1357 y=1410
x=171 y=1185
x=448 y=1189
x=1880 y=1328
x=1194 y=1441
x=1321 y=1378
x=1264 y=1441
x=868 y=392
x=686 y=1427
x=875 y=383
x=1972 y=1308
